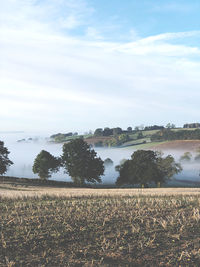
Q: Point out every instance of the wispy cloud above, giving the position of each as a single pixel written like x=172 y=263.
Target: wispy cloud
x=45 y=14
x=160 y=45
x=58 y=69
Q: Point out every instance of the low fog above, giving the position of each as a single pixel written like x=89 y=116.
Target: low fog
x=23 y=154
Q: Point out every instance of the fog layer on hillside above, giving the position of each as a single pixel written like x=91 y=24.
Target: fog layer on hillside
x=23 y=154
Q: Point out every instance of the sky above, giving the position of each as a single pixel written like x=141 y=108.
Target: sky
x=69 y=65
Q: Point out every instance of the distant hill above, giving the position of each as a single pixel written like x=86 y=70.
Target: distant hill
x=150 y=137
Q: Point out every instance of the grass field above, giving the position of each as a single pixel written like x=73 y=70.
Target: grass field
x=99 y=227
x=143 y=146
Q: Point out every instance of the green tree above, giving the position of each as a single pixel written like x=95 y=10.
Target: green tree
x=170 y=126
x=98 y=132
x=81 y=162
x=168 y=167
x=108 y=162
x=107 y=131
x=146 y=167
x=117 y=131
x=187 y=156
x=45 y=164
x=4 y=160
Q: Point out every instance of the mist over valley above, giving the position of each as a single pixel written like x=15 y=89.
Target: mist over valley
x=24 y=147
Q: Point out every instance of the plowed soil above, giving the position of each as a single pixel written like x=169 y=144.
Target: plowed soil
x=185 y=145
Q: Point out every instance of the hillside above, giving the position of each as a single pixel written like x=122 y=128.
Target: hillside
x=187 y=139
x=182 y=145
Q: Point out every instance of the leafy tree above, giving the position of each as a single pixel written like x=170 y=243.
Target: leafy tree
x=170 y=126
x=107 y=131
x=45 y=164
x=153 y=127
x=146 y=167
x=108 y=162
x=117 y=131
x=117 y=140
x=81 y=162
x=191 y=125
x=168 y=167
x=129 y=129
x=124 y=170
x=123 y=138
x=187 y=156
x=4 y=160
x=98 y=132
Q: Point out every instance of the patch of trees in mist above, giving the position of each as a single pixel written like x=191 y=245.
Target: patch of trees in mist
x=83 y=165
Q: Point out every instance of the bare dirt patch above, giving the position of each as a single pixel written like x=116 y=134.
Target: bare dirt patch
x=185 y=145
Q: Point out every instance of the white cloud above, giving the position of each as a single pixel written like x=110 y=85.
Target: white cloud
x=44 y=15
x=51 y=80
x=168 y=36
x=158 y=45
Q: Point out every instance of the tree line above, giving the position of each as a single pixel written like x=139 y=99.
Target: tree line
x=191 y=125
x=118 y=130
x=167 y=134
x=83 y=165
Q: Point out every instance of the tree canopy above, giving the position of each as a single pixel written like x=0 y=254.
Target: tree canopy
x=45 y=164
x=81 y=162
x=146 y=167
x=168 y=134
x=4 y=160
x=187 y=156
x=108 y=162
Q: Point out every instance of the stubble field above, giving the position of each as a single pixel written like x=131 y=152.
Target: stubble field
x=100 y=227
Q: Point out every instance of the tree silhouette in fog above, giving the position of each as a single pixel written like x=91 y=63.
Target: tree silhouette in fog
x=81 y=162
x=45 y=164
x=145 y=167
x=4 y=160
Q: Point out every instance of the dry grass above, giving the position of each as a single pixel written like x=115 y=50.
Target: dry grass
x=10 y=191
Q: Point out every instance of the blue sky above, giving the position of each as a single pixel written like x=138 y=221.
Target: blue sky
x=148 y=17
x=78 y=65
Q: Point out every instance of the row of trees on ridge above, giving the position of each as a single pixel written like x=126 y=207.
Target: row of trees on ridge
x=167 y=134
